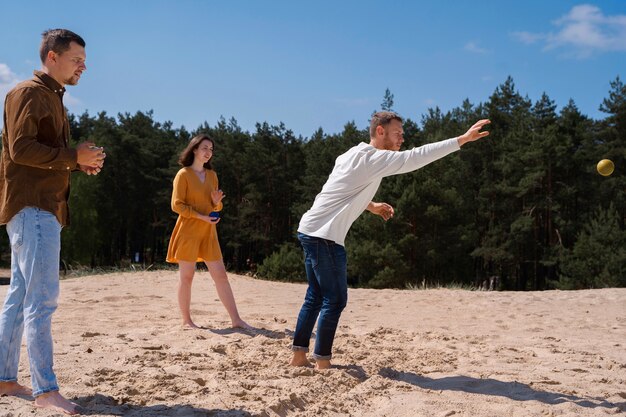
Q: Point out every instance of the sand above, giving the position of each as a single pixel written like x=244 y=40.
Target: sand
x=119 y=351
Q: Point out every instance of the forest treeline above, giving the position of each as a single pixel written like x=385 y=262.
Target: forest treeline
x=525 y=204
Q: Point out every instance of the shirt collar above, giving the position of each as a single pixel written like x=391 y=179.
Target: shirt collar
x=50 y=82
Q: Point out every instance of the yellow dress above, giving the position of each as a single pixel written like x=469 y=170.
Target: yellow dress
x=194 y=240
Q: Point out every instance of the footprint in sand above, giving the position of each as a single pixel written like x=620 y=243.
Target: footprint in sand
x=546 y=382
x=159 y=347
x=221 y=349
x=92 y=334
x=117 y=298
x=89 y=301
x=199 y=381
x=124 y=338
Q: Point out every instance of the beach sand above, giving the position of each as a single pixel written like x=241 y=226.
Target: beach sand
x=120 y=351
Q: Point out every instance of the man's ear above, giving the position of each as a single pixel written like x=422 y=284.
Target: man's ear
x=380 y=131
x=52 y=56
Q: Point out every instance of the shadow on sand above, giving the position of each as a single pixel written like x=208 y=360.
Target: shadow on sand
x=513 y=390
x=103 y=405
x=256 y=331
x=355 y=371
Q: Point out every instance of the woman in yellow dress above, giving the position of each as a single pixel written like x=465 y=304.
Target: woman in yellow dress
x=195 y=195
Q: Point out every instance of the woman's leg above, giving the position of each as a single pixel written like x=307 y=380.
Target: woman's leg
x=225 y=292
x=186 y=271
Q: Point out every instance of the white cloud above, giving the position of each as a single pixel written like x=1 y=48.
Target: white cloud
x=70 y=101
x=8 y=80
x=583 y=31
x=527 y=37
x=474 y=48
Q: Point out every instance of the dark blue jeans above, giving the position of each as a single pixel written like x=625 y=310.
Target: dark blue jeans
x=327 y=295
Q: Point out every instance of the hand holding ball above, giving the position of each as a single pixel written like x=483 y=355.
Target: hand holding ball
x=605 y=167
x=214 y=217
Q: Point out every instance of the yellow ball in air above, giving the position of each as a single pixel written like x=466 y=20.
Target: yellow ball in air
x=605 y=167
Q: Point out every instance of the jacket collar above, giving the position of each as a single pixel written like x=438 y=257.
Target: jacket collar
x=50 y=82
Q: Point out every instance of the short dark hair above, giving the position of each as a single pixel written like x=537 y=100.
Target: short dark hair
x=186 y=156
x=57 y=40
x=382 y=118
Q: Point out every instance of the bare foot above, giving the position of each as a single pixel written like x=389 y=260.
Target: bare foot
x=187 y=325
x=53 y=400
x=299 y=359
x=240 y=324
x=14 y=389
x=322 y=364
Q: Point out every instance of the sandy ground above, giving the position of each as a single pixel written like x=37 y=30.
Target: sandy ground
x=119 y=351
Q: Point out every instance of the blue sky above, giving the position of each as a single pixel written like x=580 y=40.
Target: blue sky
x=320 y=63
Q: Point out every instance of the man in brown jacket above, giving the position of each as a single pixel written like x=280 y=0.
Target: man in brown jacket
x=35 y=168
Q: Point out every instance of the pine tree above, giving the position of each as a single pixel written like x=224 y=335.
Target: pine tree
x=387 y=104
x=598 y=259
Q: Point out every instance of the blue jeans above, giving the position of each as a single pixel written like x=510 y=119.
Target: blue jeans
x=35 y=237
x=326 y=270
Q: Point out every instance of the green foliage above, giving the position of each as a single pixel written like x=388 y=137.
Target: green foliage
x=598 y=258
x=286 y=264
x=520 y=204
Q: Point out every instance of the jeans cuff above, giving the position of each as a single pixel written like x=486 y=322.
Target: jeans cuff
x=45 y=390
x=322 y=357
x=299 y=348
x=8 y=379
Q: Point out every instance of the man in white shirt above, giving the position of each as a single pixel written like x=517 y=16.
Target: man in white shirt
x=323 y=228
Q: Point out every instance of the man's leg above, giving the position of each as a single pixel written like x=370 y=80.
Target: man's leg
x=311 y=306
x=331 y=272
x=39 y=259
x=12 y=317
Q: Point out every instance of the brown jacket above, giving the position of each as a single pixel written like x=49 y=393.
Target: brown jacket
x=36 y=161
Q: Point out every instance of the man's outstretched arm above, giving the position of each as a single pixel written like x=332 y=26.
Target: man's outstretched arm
x=474 y=133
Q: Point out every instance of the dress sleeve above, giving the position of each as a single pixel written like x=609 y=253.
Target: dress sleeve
x=179 y=197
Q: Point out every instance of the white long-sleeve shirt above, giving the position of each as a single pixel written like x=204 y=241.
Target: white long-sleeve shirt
x=355 y=180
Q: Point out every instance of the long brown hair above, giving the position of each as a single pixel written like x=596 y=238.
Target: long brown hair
x=186 y=156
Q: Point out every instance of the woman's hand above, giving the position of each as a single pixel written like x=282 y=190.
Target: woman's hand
x=212 y=220
x=217 y=196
